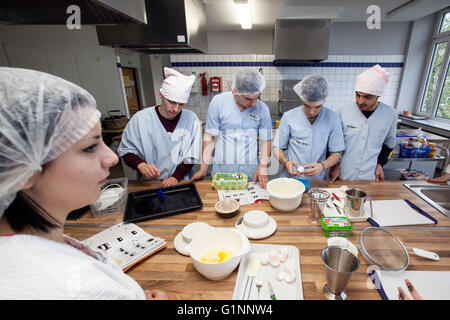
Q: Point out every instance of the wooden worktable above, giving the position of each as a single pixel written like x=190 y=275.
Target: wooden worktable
x=174 y=273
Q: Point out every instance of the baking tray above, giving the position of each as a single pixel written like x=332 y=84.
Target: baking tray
x=78 y=213
x=147 y=204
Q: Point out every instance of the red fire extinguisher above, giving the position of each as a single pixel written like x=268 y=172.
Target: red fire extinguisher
x=204 y=84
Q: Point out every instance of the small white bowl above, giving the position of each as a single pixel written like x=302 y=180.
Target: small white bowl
x=218 y=238
x=285 y=194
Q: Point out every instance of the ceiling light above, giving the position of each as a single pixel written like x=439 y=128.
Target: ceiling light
x=243 y=12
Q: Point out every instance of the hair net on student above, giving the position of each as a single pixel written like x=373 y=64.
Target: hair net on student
x=312 y=88
x=41 y=116
x=248 y=82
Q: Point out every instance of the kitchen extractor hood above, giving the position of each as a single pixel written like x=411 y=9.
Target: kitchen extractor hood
x=52 y=12
x=175 y=26
x=301 y=40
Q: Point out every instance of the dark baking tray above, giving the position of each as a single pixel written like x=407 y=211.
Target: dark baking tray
x=146 y=204
x=78 y=213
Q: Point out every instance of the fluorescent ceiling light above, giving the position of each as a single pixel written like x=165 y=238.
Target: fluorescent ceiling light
x=243 y=12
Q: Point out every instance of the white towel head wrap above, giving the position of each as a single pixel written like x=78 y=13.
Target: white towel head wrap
x=372 y=81
x=176 y=86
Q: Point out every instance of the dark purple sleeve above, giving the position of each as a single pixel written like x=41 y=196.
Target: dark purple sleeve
x=181 y=170
x=132 y=160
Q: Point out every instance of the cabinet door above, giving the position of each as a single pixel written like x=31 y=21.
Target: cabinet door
x=27 y=58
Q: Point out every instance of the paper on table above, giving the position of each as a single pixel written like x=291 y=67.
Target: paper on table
x=396 y=213
x=431 y=285
x=249 y=196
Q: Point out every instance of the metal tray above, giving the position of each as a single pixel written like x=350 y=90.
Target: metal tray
x=147 y=204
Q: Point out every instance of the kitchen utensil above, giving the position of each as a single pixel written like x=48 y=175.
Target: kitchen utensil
x=354 y=202
x=251 y=272
x=259 y=282
x=318 y=199
x=381 y=247
x=271 y=292
x=340 y=264
x=218 y=238
x=285 y=194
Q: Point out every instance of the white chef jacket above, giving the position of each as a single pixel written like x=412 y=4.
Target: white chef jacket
x=146 y=137
x=33 y=267
x=364 y=139
x=306 y=143
x=236 y=134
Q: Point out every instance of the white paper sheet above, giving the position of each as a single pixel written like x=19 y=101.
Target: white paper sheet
x=431 y=285
x=396 y=213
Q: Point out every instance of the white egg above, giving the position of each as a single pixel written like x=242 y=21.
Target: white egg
x=274 y=260
x=289 y=278
x=290 y=273
x=264 y=257
x=280 y=275
x=284 y=253
x=300 y=169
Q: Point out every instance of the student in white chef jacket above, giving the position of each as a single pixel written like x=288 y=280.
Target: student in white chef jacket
x=164 y=142
x=234 y=122
x=308 y=132
x=369 y=128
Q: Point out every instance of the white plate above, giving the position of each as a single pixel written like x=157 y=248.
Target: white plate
x=282 y=289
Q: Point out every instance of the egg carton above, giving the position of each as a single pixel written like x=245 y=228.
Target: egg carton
x=230 y=181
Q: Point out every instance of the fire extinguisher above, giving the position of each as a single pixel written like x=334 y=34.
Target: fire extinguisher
x=204 y=84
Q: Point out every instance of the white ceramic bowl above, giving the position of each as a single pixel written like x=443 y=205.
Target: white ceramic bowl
x=285 y=194
x=218 y=238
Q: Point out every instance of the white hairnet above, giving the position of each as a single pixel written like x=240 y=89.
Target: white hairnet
x=248 y=82
x=41 y=116
x=372 y=81
x=176 y=86
x=312 y=88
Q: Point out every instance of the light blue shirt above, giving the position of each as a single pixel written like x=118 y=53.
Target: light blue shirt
x=146 y=137
x=236 y=134
x=306 y=143
x=364 y=139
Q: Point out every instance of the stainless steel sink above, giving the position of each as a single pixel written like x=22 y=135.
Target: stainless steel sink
x=436 y=195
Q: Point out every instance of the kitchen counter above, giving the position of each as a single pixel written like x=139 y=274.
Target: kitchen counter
x=174 y=273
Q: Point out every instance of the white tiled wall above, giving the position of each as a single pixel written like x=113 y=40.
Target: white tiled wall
x=341 y=80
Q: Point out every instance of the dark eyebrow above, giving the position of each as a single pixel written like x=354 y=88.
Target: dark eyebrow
x=95 y=137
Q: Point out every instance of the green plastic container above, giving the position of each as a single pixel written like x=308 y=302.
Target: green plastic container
x=336 y=226
x=230 y=181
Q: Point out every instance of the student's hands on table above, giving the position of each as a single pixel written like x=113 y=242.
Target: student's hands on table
x=149 y=170
x=169 y=182
x=403 y=296
x=335 y=173
x=261 y=175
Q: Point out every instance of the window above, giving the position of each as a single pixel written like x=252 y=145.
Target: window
x=435 y=100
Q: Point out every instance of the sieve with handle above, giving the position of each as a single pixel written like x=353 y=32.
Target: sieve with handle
x=379 y=246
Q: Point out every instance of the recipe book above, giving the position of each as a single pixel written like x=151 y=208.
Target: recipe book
x=430 y=285
x=125 y=243
x=253 y=194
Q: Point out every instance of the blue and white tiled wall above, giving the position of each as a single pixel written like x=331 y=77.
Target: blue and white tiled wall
x=340 y=71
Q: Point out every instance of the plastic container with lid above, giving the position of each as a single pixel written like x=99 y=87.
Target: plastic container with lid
x=336 y=226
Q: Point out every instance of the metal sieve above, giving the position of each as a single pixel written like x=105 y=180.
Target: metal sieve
x=380 y=247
